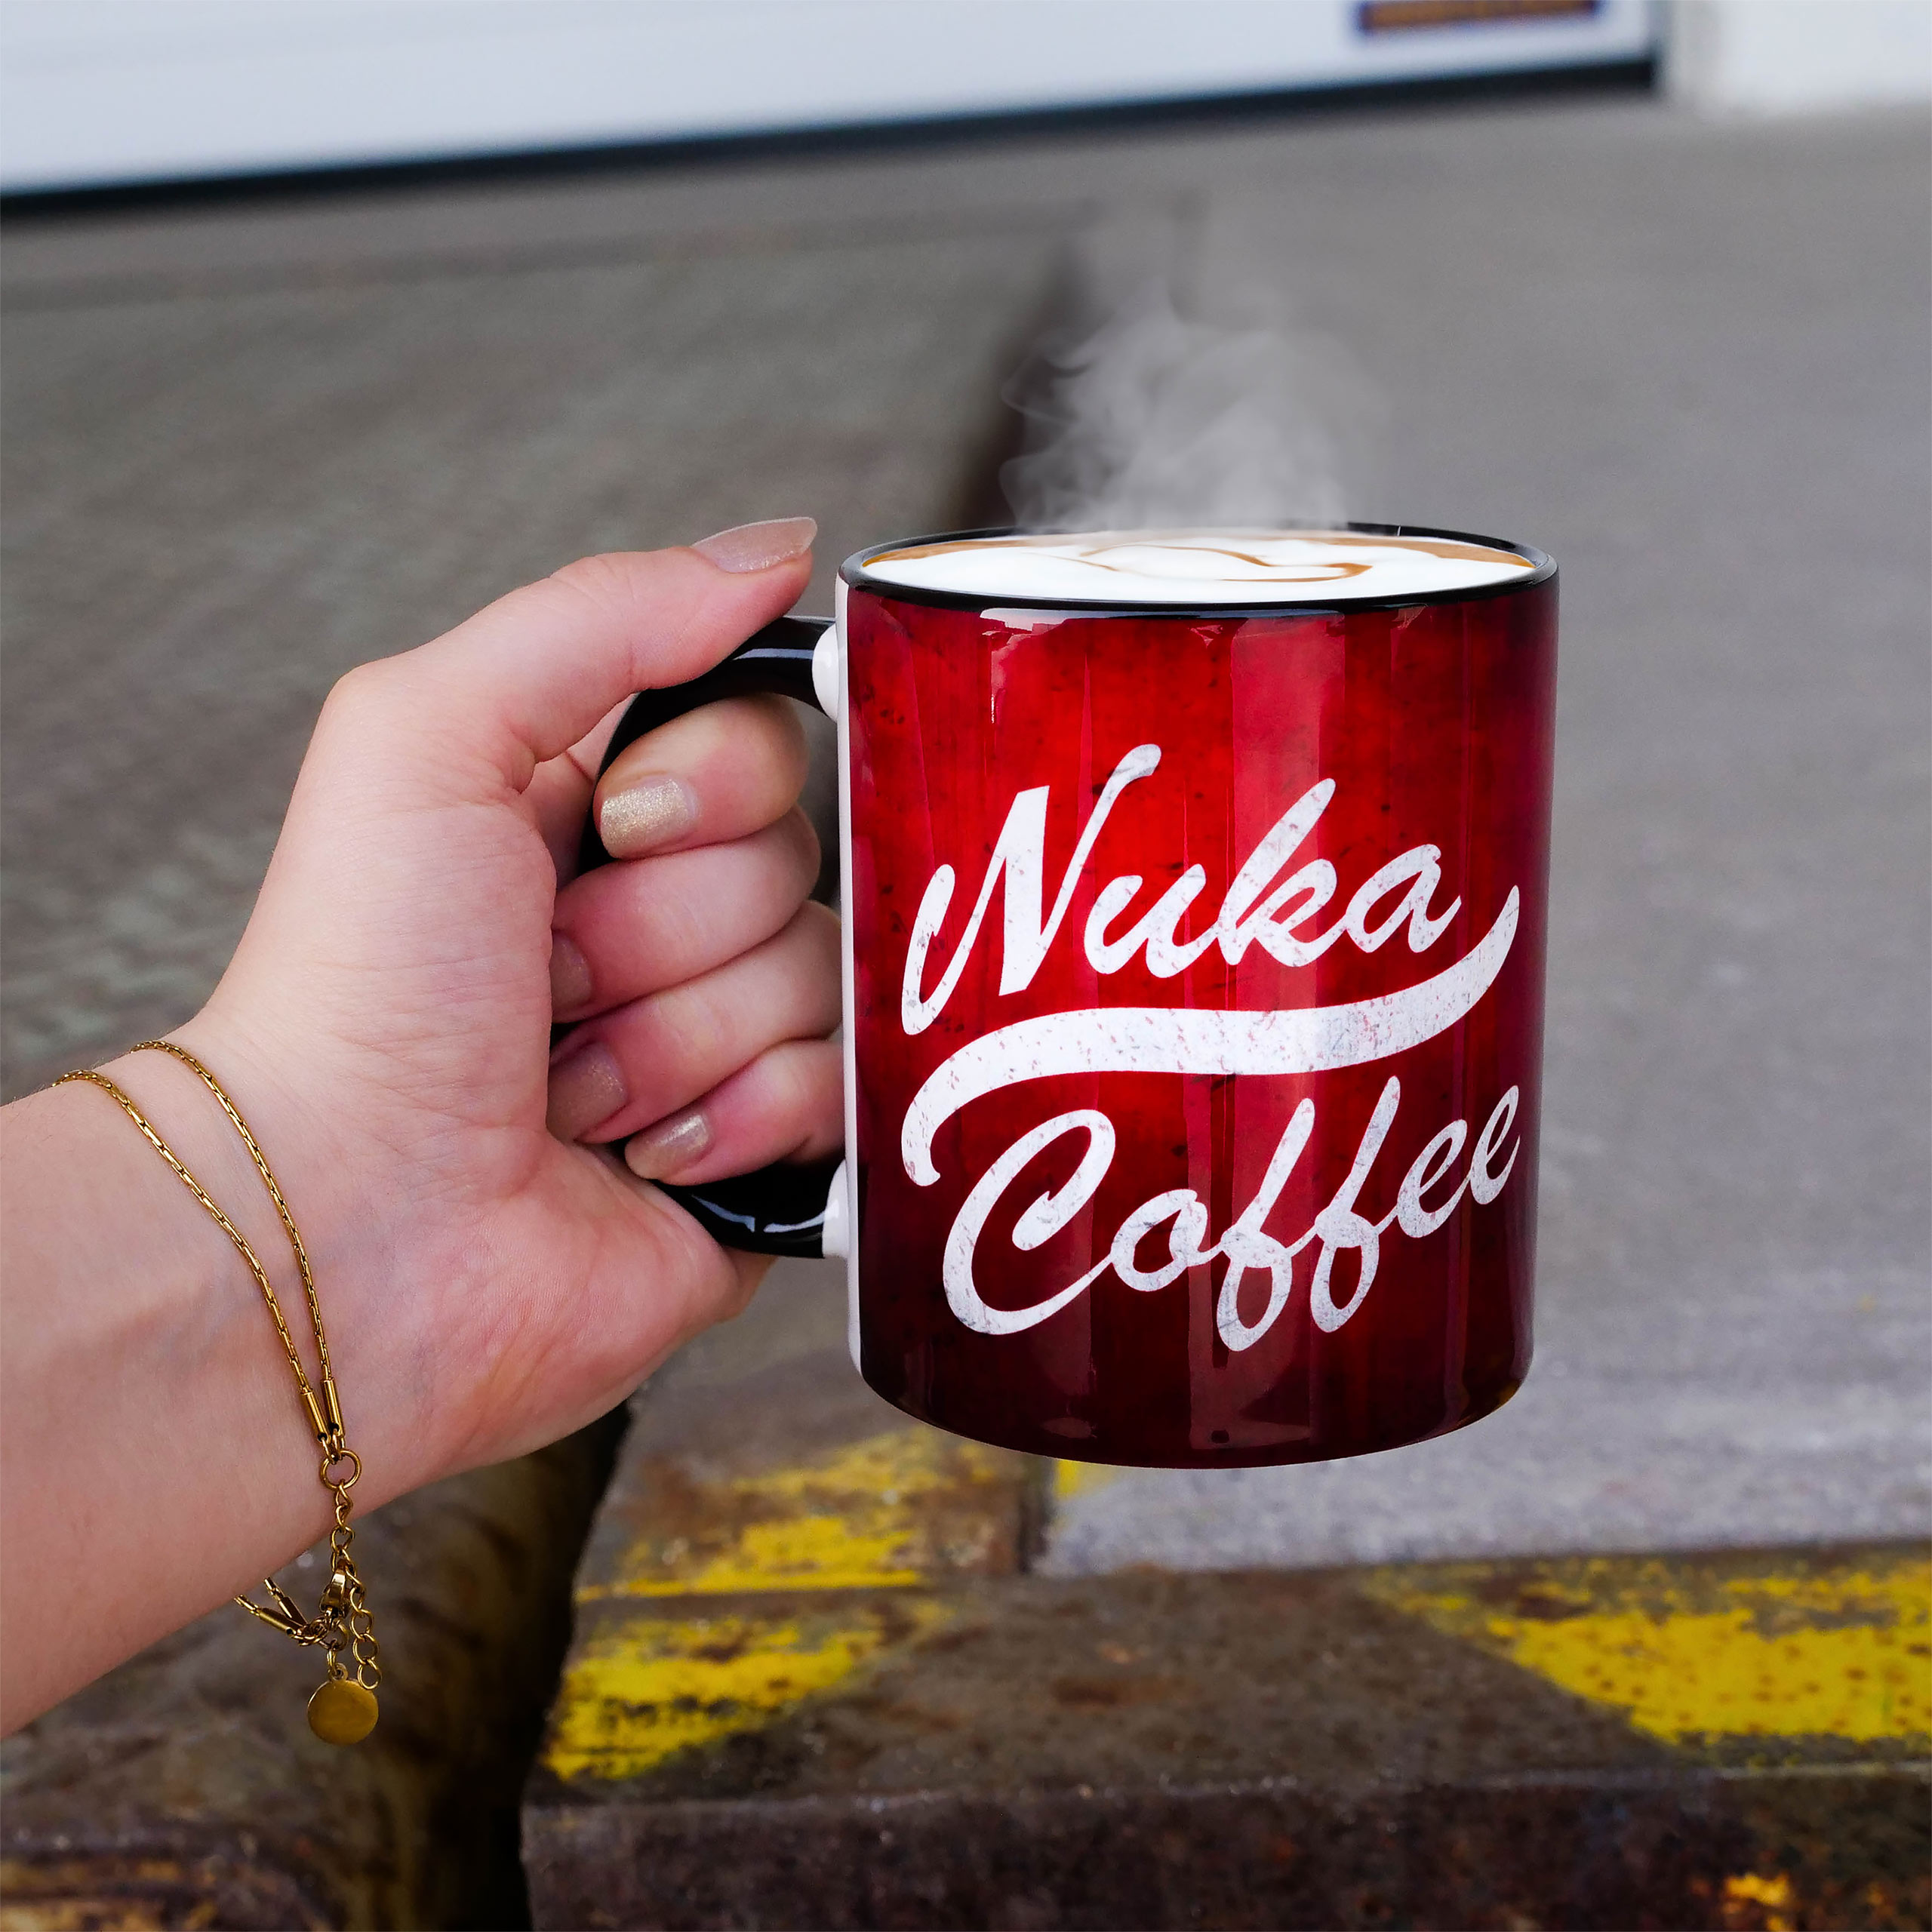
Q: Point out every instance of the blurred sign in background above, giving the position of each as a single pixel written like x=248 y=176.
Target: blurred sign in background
x=102 y=91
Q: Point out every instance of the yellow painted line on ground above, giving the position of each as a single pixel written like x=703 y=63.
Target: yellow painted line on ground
x=888 y=1512
x=653 y=1686
x=70 y=1897
x=1686 y=1651
x=814 y=1552
x=1073 y=1479
x=1765 y=1898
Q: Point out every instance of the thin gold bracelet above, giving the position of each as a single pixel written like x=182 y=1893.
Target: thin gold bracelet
x=343 y=1710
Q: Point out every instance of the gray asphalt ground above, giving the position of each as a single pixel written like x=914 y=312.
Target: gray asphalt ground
x=247 y=448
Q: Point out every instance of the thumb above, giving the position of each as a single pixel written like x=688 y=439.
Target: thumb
x=530 y=675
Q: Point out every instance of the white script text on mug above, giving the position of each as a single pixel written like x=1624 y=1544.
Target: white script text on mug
x=1182 y=1040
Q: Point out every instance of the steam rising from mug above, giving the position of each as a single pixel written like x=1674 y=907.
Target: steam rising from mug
x=1153 y=420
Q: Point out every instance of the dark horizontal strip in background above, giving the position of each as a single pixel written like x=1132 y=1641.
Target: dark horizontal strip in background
x=1592 y=78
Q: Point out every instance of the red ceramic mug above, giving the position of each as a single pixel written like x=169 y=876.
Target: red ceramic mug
x=1194 y=889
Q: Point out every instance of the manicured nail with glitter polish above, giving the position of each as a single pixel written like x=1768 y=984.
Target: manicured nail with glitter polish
x=661 y=1151
x=650 y=811
x=586 y=1087
x=757 y=546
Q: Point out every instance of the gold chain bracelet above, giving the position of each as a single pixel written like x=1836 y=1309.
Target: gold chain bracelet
x=343 y=1710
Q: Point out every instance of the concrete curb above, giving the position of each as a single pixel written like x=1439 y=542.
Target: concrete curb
x=812 y=1685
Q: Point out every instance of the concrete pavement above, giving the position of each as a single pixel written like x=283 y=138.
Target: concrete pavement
x=1688 y=360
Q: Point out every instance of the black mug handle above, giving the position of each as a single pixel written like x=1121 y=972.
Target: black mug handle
x=780 y=1209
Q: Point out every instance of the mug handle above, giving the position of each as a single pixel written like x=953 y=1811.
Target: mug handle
x=788 y=1208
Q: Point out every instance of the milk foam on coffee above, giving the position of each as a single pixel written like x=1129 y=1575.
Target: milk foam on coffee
x=1198 y=567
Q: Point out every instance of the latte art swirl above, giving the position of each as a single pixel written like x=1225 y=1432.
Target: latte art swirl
x=1198 y=567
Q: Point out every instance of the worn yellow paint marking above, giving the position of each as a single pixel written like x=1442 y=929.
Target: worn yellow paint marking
x=78 y=1895
x=878 y=1516
x=872 y=1515
x=1772 y=1897
x=1073 y=1479
x=102 y=1914
x=1713 y=1674
x=820 y=1552
x=651 y=1687
x=1687 y=1652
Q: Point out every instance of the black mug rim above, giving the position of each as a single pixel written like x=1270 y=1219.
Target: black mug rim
x=855 y=574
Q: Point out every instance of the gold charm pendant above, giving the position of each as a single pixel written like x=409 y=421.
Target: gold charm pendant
x=342 y=1712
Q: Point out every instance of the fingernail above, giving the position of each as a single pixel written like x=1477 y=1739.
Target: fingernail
x=584 y=1089
x=570 y=973
x=660 y=1152
x=757 y=546
x=654 y=811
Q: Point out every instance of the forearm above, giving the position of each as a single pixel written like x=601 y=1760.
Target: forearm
x=157 y=1455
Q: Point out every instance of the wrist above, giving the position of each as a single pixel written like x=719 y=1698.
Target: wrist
x=321 y=1162
x=142 y=1391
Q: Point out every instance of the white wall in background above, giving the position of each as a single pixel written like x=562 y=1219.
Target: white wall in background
x=94 y=92
x=1771 y=57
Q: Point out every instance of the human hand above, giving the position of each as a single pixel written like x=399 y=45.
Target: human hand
x=490 y=1282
